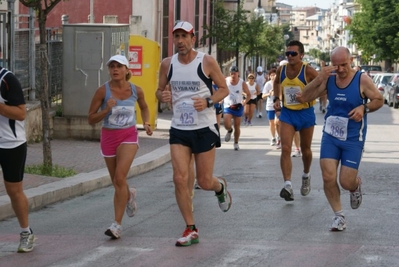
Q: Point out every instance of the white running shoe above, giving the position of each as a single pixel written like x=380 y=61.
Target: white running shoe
x=131 y=206
x=26 y=242
x=236 y=146
x=297 y=153
x=356 y=196
x=305 y=188
x=227 y=137
x=338 y=224
x=114 y=231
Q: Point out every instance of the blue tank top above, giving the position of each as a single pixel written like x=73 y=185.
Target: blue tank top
x=123 y=115
x=341 y=102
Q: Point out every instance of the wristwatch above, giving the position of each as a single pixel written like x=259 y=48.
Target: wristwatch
x=209 y=102
x=366 y=108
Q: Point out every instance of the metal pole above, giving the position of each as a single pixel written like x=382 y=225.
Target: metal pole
x=32 y=55
x=238 y=31
x=91 y=11
x=11 y=40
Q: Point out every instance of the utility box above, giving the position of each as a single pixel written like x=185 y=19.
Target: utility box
x=86 y=49
x=144 y=62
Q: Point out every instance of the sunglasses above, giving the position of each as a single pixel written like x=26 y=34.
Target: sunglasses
x=250 y=77
x=291 y=53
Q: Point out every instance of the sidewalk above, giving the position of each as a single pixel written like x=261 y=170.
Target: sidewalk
x=85 y=158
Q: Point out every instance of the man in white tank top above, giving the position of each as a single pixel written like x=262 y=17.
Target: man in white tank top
x=193 y=129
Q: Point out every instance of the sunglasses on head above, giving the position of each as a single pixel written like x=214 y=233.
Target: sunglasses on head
x=291 y=53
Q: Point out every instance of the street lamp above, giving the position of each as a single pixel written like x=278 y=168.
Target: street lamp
x=259 y=11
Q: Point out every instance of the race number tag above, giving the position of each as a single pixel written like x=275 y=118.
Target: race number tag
x=290 y=95
x=337 y=127
x=121 y=116
x=186 y=115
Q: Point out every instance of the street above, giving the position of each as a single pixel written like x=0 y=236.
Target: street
x=261 y=229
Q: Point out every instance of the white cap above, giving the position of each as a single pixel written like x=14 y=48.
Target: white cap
x=185 y=26
x=283 y=62
x=120 y=59
x=259 y=69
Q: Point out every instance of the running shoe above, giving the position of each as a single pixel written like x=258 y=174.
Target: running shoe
x=196 y=185
x=236 y=146
x=188 y=238
x=356 y=196
x=114 y=231
x=131 y=206
x=297 y=153
x=26 y=242
x=224 y=198
x=249 y=123
x=227 y=137
x=305 y=188
x=338 y=224
x=287 y=193
x=273 y=142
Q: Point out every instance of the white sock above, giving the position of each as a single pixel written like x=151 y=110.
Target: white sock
x=27 y=229
x=288 y=183
x=306 y=175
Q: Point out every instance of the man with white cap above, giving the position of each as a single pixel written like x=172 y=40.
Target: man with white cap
x=260 y=80
x=194 y=129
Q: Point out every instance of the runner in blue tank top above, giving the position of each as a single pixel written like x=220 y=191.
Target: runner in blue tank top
x=351 y=96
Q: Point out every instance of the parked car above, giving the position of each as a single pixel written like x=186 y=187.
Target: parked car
x=393 y=99
x=372 y=68
x=381 y=80
x=388 y=86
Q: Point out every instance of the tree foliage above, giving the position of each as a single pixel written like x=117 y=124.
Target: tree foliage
x=252 y=35
x=374 y=29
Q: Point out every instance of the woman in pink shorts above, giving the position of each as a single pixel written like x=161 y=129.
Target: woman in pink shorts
x=114 y=104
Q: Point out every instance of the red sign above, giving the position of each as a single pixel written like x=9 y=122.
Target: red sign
x=136 y=60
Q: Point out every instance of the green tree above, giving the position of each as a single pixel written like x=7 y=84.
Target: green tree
x=252 y=35
x=373 y=30
x=42 y=9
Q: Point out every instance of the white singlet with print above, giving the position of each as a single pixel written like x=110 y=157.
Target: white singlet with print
x=188 y=81
x=235 y=95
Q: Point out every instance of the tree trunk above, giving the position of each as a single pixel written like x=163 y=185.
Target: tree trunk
x=43 y=89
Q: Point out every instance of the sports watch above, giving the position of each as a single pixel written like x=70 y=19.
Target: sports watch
x=209 y=102
x=366 y=108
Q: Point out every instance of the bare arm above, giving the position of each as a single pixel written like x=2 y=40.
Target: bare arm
x=246 y=91
x=13 y=112
x=212 y=69
x=162 y=94
x=317 y=86
x=145 y=112
x=277 y=89
x=96 y=116
x=369 y=90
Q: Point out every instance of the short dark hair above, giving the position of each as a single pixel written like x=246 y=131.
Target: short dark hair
x=297 y=43
x=273 y=70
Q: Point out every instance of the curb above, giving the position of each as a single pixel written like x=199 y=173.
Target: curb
x=82 y=183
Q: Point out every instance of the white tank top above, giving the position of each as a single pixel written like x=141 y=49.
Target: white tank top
x=235 y=95
x=252 y=90
x=187 y=81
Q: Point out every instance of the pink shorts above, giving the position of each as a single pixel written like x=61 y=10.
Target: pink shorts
x=111 y=139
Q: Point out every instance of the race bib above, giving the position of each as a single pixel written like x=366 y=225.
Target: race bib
x=290 y=95
x=185 y=114
x=121 y=116
x=337 y=127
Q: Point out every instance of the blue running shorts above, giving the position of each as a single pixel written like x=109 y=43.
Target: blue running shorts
x=299 y=119
x=348 y=152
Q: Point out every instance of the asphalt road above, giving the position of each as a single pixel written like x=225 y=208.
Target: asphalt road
x=261 y=229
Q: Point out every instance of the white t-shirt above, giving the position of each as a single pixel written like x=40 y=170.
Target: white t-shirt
x=267 y=89
x=252 y=90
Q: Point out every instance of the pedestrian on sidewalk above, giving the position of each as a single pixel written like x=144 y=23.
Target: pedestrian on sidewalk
x=290 y=79
x=114 y=104
x=13 y=150
x=233 y=105
x=351 y=96
x=193 y=128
